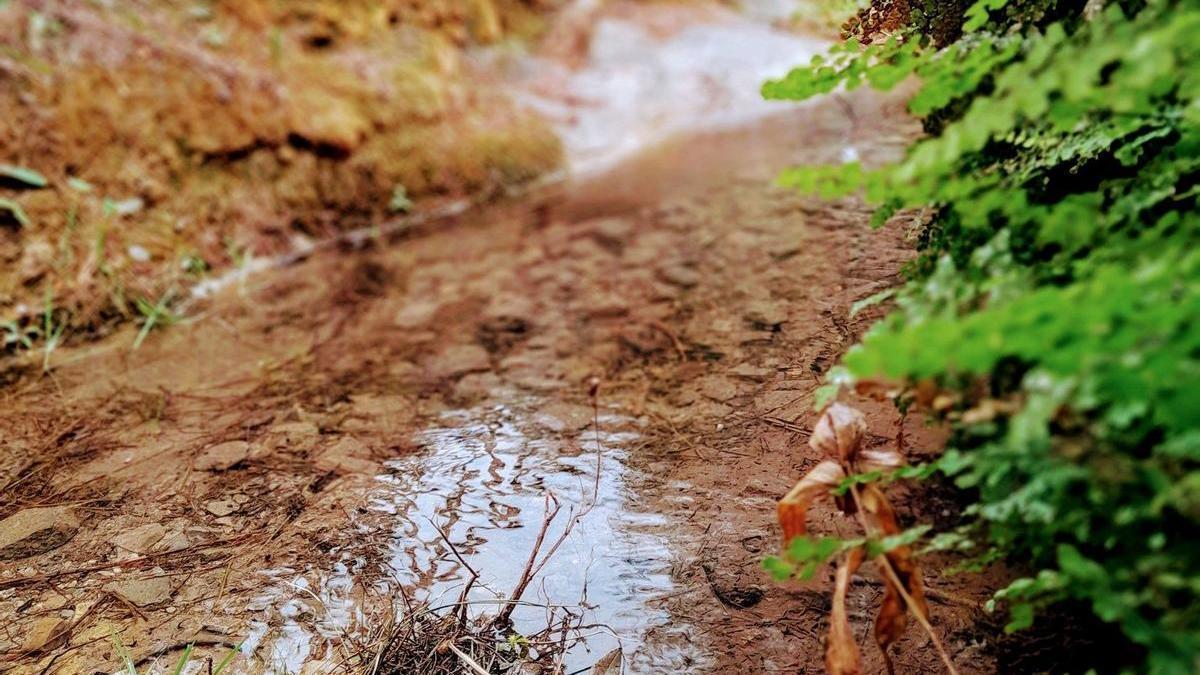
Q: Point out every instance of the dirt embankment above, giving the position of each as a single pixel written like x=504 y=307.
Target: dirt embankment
x=172 y=140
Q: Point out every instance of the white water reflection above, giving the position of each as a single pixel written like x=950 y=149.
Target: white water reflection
x=483 y=481
x=637 y=88
x=300 y=620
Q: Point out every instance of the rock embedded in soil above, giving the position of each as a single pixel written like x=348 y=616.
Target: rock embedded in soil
x=612 y=233
x=564 y=417
x=223 y=456
x=765 y=313
x=416 y=315
x=679 y=275
x=45 y=634
x=142 y=592
x=718 y=388
x=140 y=539
x=347 y=455
x=295 y=435
x=35 y=531
x=221 y=507
x=458 y=360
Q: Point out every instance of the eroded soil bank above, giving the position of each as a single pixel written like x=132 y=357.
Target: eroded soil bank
x=321 y=438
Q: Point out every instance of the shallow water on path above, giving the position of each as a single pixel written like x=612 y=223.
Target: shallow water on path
x=482 y=486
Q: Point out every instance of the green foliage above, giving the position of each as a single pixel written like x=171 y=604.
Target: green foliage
x=128 y=667
x=154 y=314
x=15 y=211
x=400 y=201
x=804 y=555
x=25 y=176
x=1061 y=272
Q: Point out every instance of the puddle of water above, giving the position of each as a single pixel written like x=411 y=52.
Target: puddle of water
x=638 y=88
x=300 y=619
x=483 y=481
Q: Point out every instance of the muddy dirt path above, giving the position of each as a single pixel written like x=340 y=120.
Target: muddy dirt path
x=277 y=469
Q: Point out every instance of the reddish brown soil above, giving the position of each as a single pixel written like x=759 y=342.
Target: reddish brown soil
x=709 y=319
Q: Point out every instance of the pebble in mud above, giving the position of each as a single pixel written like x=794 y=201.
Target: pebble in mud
x=679 y=275
x=347 y=455
x=223 y=456
x=766 y=314
x=35 y=531
x=46 y=633
x=561 y=417
x=142 y=592
x=139 y=540
x=458 y=360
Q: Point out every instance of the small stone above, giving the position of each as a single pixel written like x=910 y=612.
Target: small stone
x=477 y=385
x=612 y=233
x=606 y=306
x=752 y=373
x=138 y=253
x=295 y=434
x=416 y=315
x=347 y=455
x=46 y=633
x=142 y=592
x=327 y=121
x=221 y=507
x=562 y=417
x=223 y=456
x=172 y=541
x=718 y=388
x=679 y=275
x=35 y=531
x=140 y=539
x=765 y=313
x=458 y=360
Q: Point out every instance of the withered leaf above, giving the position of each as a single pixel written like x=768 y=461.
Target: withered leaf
x=841 y=651
x=793 y=508
x=893 y=617
x=881 y=459
x=839 y=433
x=891 y=622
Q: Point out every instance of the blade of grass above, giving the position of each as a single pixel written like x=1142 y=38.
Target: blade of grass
x=152 y=314
x=123 y=653
x=183 y=659
x=228 y=658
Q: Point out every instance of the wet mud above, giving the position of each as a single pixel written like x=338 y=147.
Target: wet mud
x=321 y=445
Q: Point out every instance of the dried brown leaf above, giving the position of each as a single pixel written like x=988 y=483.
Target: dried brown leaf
x=841 y=651
x=893 y=617
x=609 y=664
x=883 y=459
x=839 y=433
x=793 y=508
x=891 y=621
x=877 y=388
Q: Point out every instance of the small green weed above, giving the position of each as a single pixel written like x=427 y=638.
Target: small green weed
x=154 y=314
x=128 y=667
